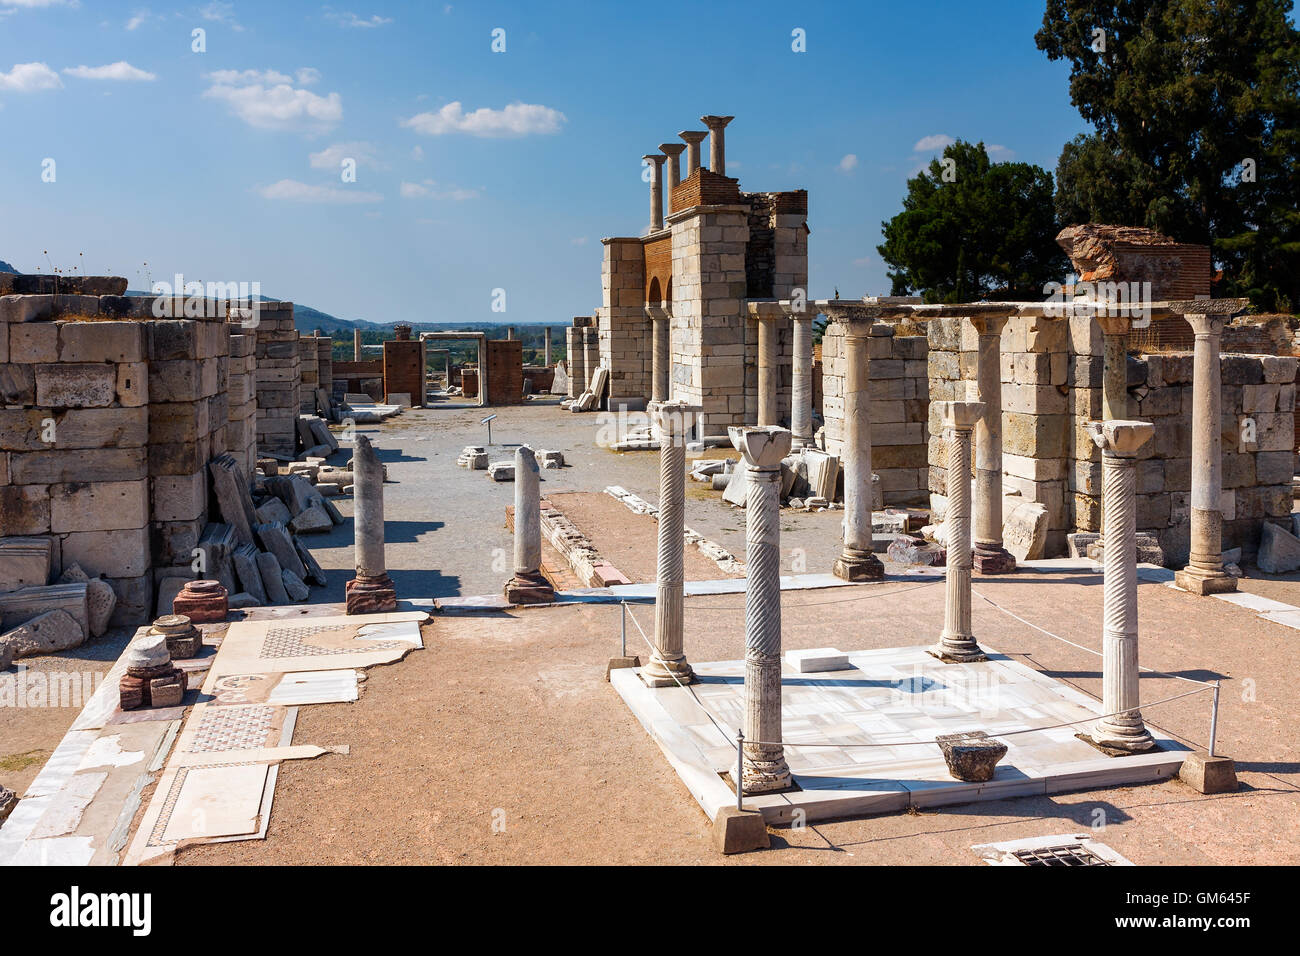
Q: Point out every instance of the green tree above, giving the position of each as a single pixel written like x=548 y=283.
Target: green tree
x=1196 y=105
x=972 y=228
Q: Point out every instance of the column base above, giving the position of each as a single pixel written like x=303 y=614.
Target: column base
x=1118 y=741
x=367 y=594
x=957 y=652
x=765 y=776
x=855 y=565
x=994 y=560
x=1202 y=582
x=529 y=587
x=798 y=442
x=663 y=673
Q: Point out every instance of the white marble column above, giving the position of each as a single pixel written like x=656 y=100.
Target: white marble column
x=546 y=347
x=717 y=142
x=693 y=138
x=668 y=666
x=765 y=769
x=1120 y=442
x=1204 y=573
x=856 y=562
x=529 y=585
x=656 y=162
x=990 y=556
x=660 y=356
x=801 y=385
x=766 y=315
x=371 y=590
x=957 y=642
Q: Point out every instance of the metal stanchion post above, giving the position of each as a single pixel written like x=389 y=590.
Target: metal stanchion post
x=623 y=638
x=740 y=770
x=1214 y=717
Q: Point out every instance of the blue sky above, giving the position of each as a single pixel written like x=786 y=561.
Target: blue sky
x=478 y=170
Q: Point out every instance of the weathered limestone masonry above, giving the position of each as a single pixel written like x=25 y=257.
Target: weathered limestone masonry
x=308 y=374
x=691 y=275
x=900 y=401
x=1037 y=422
x=241 y=394
x=279 y=382
x=325 y=362
x=108 y=418
x=578 y=377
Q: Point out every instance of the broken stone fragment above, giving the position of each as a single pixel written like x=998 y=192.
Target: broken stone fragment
x=250 y=578
x=272 y=581
x=501 y=471
x=242 y=600
x=294 y=586
x=972 y=756
x=273 y=510
x=1279 y=550
x=101 y=601
x=8 y=800
x=46 y=633
x=314 y=520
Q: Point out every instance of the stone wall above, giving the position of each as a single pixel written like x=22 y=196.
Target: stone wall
x=900 y=397
x=278 y=379
x=108 y=418
x=625 y=335
x=1051 y=387
x=241 y=420
x=308 y=375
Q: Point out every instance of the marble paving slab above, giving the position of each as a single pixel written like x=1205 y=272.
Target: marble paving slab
x=896 y=701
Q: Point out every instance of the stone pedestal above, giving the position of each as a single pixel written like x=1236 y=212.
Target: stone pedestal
x=857 y=561
x=1204 y=573
x=1124 y=731
x=667 y=666
x=957 y=642
x=184 y=640
x=151 y=680
x=371 y=591
x=990 y=556
x=202 y=602
x=528 y=586
x=765 y=769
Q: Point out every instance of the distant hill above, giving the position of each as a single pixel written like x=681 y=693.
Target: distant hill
x=6 y=267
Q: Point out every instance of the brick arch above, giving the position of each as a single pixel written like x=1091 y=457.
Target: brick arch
x=658 y=269
x=654 y=294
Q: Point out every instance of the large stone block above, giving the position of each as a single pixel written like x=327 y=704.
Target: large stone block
x=77 y=385
x=1035 y=436
x=99 y=506
x=115 y=554
x=101 y=341
x=99 y=464
x=179 y=497
x=24 y=563
x=32 y=344
x=19 y=606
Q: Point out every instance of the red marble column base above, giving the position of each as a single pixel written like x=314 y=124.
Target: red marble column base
x=994 y=561
x=529 y=587
x=370 y=595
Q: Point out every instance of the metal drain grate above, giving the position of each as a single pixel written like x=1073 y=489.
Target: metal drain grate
x=1060 y=849
x=1071 y=854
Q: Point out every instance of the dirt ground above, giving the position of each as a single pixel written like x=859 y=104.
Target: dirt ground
x=509 y=718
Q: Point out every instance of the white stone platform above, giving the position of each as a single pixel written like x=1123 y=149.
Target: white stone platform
x=892 y=698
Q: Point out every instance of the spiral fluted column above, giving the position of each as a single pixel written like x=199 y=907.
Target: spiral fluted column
x=668 y=666
x=765 y=769
x=957 y=642
x=1120 y=442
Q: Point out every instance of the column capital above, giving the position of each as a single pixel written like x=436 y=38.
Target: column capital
x=1115 y=324
x=960 y=415
x=989 y=324
x=715 y=123
x=656 y=311
x=674 y=419
x=763 y=446
x=673 y=149
x=761 y=309
x=799 y=308
x=1120 y=439
x=656 y=158
x=693 y=137
x=1206 y=324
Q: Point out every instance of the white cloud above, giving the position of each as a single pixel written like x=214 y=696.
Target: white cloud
x=121 y=70
x=863 y=261
x=220 y=12
x=34 y=4
x=268 y=100
x=1000 y=154
x=428 y=189
x=849 y=162
x=936 y=141
x=417 y=152
x=517 y=119
x=307 y=76
x=137 y=20
x=331 y=157
x=290 y=190
x=29 y=77
x=353 y=21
